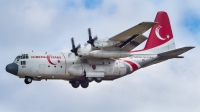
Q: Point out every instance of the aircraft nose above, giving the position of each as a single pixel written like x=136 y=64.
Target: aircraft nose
x=12 y=68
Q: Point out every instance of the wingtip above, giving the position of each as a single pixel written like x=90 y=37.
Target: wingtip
x=191 y=47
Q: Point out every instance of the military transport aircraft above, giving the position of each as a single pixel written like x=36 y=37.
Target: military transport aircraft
x=107 y=59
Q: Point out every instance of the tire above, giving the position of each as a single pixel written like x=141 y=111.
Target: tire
x=98 y=79
x=75 y=84
x=89 y=79
x=84 y=85
x=28 y=80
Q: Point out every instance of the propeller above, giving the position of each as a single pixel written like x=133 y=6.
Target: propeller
x=74 y=49
x=91 y=40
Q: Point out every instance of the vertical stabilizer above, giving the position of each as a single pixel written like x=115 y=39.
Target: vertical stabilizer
x=161 y=36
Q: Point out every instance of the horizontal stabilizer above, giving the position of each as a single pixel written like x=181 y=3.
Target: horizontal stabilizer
x=176 y=52
x=170 y=55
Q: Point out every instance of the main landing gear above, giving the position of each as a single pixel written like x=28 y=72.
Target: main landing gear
x=28 y=80
x=76 y=84
x=97 y=79
x=85 y=83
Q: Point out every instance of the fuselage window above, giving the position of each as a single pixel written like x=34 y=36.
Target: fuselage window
x=23 y=62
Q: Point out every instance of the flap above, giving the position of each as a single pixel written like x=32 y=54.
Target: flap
x=136 y=30
x=134 y=43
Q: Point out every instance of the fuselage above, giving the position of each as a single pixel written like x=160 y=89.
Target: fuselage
x=67 y=66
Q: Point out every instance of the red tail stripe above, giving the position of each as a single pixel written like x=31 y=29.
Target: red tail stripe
x=133 y=65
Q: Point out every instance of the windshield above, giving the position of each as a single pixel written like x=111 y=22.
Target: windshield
x=23 y=56
x=17 y=59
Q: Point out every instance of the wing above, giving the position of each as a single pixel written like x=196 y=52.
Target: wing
x=123 y=43
x=136 y=30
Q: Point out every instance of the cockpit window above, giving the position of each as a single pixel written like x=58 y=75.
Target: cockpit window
x=18 y=57
x=24 y=56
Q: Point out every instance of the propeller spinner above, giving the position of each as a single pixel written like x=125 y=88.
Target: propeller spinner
x=91 y=40
x=74 y=49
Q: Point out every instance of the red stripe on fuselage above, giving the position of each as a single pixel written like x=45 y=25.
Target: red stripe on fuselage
x=65 y=63
x=133 y=65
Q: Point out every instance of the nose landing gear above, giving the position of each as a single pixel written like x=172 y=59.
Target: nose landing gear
x=28 y=80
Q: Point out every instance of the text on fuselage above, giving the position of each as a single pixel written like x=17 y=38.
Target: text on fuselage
x=52 y=57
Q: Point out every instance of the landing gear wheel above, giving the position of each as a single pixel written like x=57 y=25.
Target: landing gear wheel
x=89 y=79
x=28 y=80
x=84 y=85
x=75 y=84
x=98 y=79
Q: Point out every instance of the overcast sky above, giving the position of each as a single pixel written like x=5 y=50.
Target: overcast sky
x=48 y=25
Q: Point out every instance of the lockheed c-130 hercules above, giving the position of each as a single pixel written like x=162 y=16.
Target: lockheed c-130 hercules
x=107 y=59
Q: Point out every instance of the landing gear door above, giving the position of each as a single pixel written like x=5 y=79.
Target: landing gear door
x=122 y=70
x=116 y=68
x=108 y=70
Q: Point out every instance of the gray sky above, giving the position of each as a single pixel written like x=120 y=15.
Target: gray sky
x=48 y=25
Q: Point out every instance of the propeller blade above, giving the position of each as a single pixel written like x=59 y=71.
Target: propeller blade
x=78 y=46
x=72 y=41
x=90 y=34
x=91 y=40
x=95 y=38
x=74 y=49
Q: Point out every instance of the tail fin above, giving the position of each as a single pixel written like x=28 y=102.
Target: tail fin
x=161 y=36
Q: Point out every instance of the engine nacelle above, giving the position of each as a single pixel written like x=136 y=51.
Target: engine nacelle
x=109 y=54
